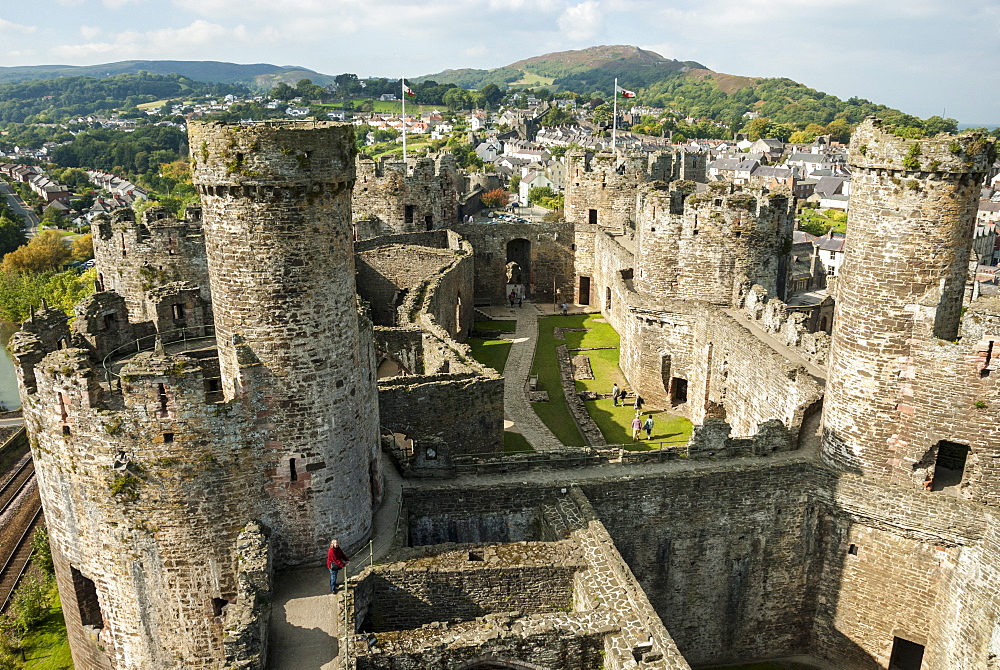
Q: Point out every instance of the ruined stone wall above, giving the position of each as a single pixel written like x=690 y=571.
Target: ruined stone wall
x=725 y=556
x=900 y=299
x=277 y=222
x=419 y=195
x=606 y=185
x=387 y=274
x=583 y=264
x=402 y=345
x=461 y=583
x=133 y=257
x=551 y=259
x=707 y=246
x=463 y=413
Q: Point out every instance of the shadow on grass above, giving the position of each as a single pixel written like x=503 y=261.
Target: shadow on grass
x=491 y=353
x=515 y=443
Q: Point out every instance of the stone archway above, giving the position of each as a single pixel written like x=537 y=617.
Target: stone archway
x=518 y=267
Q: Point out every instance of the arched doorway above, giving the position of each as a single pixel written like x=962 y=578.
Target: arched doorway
x=518 y=267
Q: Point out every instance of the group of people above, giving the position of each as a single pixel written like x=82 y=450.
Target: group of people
x=515 y=297
x=638 y=425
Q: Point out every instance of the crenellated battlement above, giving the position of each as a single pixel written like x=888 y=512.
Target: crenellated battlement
x=874 y=147
x=705 y=244
x=418 y=195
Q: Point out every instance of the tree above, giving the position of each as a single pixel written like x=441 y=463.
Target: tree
x=83 y=248
x=602 y=114
x=11 y=235
x=496 y=198
x=538 y=193
x=515 y=181
x=557 y=116
x=45 y=252
x=801 y=137
x=457 y=98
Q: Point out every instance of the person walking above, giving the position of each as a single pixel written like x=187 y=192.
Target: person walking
x=335 y=560
x=520 y=299
x=615 y=394
x=511 y=297
x=648 y=426
x=636 y=428
x=565 y=309
x=638 y=403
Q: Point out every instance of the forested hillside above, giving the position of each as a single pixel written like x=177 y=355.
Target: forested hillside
x=54 y=100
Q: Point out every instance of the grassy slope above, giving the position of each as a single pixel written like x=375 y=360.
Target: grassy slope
x=502 y=326
x=47 y=648
x=492 y=353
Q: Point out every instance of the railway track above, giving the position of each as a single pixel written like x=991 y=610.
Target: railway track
x=22 y=509
x=18 y=561
x=16 y=483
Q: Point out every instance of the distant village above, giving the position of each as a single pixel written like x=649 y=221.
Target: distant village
x=511 y=143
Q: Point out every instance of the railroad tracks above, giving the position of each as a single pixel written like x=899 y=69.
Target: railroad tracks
x=21 y=506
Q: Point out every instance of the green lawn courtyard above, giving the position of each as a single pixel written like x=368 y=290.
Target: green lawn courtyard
x=615 y=423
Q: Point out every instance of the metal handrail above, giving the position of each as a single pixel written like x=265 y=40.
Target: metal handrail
x=151 y=342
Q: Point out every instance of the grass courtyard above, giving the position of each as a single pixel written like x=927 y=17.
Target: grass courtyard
x=615 y=423
x=494 y=353
x=46 y=646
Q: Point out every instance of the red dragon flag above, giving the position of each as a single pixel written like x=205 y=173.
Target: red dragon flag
x=410 y=93
x=625 y=93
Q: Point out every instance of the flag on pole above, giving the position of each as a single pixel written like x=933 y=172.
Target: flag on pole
x=410 y=93
x=624 y=93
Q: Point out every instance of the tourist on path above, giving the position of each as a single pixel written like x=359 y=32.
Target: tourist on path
x=511 y=296
x=565 y=309
x=335 y=560
x=648 y=426
x=615 y=394
x=520 y=298
x=636 y=428
x=638 y=403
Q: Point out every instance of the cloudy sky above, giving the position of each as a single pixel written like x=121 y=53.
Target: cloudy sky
x=923 y=56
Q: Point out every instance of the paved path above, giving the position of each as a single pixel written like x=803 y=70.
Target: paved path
x=516 y=406
x=306 y=618
x=15 y=202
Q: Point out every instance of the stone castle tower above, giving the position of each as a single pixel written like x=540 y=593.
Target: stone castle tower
x=710 y=246
x=912 y=381
x=159 y=449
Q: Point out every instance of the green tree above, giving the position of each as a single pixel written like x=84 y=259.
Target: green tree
x=11 y=235
x=457 y=98
x=41 y=552
x=602 y=114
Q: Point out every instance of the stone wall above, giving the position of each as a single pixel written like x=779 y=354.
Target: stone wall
x=707 y=245
x=133 y=257
x=551 y=259
x=421 y=194
x=452 y=585
x=601 y=188
x=463 y=413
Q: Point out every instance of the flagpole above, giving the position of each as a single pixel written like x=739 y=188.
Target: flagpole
x=402 y=90
x=614 y=121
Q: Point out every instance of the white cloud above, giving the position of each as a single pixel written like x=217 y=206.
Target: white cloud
x=11 y=27
x=582 y=22
x=117 y=4
x=162 y=43
x=90 y=32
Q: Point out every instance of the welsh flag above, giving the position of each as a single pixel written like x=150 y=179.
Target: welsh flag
x=625 y=93
x=410 y=93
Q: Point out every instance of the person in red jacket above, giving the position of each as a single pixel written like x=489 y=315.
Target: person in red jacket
x=335 y=560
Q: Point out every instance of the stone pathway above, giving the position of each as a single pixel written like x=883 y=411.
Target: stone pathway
x=516 y=406
x=306 y=618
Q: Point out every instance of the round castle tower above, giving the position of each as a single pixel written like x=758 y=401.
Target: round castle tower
x=706 y=246
x=899 y=304
x=276 y=212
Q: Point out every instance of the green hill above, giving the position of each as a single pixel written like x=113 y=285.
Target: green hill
x=260 y=75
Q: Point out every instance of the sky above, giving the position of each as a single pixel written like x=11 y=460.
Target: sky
x=924 y=57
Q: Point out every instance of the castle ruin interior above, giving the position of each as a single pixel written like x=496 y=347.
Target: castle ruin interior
x=234 y=394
